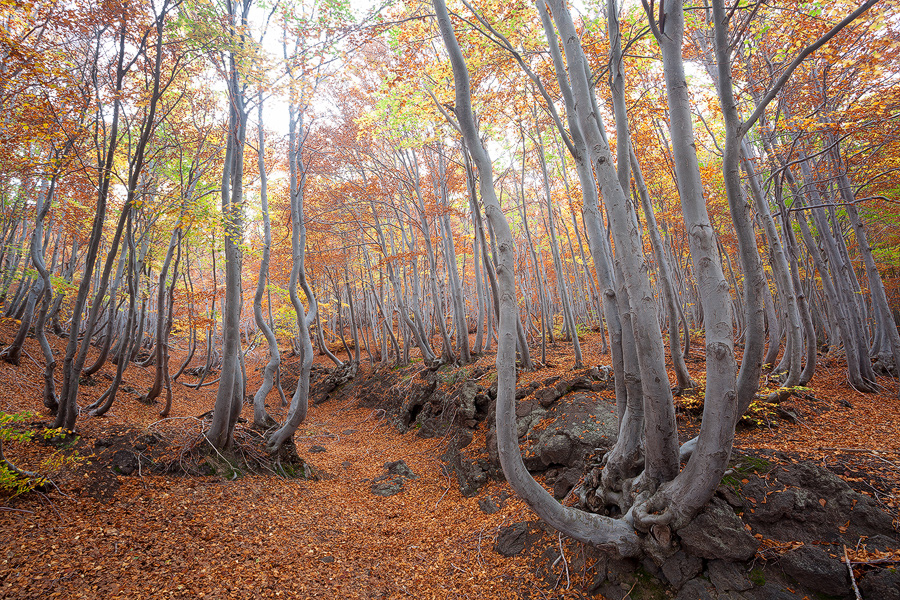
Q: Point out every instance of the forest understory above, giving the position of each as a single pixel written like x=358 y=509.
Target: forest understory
x=144 y=508
x=468 y=201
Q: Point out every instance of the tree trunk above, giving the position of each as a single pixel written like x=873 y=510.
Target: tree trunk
x=261 y=417
x=580 y=525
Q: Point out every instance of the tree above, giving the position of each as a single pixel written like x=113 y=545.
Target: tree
x=230 y=394
x=654 y=494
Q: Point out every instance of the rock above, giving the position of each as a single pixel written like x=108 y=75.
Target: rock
x=571 y=430
x=399 y=467
x=770 y=591
x=465 y=400
x=124 y=462
x=511 y=540
x=523 y=391
x=565 y=482
x=417 y=400
x=529 y=421
x=604 y=372
x=681 y=567
x=581 y=383
x=321 y=387
x=813 y=505
x=795 y=503
x=730 y=496
x=488 y=506
x=316 y=449
x=554 y=449
x=390 y=487
x=547 y=396
x=728 y=576
x=814 y=569
x=150 y=439
x=718 y=533
x=695 y=589
x=866 y=515
x=881 y=543
x=884 y=584
x=523 y=409
x=464 y=437
x=470 y=476
x=652 y=569
x=392 y=481
x=482 y=406
x=812 y=476
x=788 y=415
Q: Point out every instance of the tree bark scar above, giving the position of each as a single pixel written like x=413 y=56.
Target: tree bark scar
x=718 y=349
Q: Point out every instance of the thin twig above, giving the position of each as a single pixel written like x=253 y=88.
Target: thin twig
x=480 y=559
x=21 y=510
x=852 y=576
x=449 y=485
x=562 y=554
x=629 y=591
x=877 y=561
x=25 y=352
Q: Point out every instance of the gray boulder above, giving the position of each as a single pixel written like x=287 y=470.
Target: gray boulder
x=511 y=540
x=814 y=569
x=718 y=533
x=568 y=431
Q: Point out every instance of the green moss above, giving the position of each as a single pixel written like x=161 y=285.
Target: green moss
x=757 y=577
x=224 y=468
x=647 y=587
x=288 y=471
x=742 y=467
x=294 y=470
x=752 y=464
x=732 y=482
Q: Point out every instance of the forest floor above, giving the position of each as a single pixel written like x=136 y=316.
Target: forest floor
x=99 y=533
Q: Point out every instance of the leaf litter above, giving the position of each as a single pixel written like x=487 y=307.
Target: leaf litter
x=249 y=534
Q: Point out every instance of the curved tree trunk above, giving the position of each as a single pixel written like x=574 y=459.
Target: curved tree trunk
x=75 y=356
x=261 y=417
x=229 y=396
x=561 y=284
x=105 y=401
x=580 y=525
x=300 y=400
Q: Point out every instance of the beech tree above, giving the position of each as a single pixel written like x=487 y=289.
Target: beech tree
x=230 y=394
x=642 y=477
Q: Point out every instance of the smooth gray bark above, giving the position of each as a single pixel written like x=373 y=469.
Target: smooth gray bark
x=261 y=417
x=562 y=287
x=586 y=527
x=229 y=396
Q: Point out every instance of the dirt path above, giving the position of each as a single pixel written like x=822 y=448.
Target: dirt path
x=265 y=537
